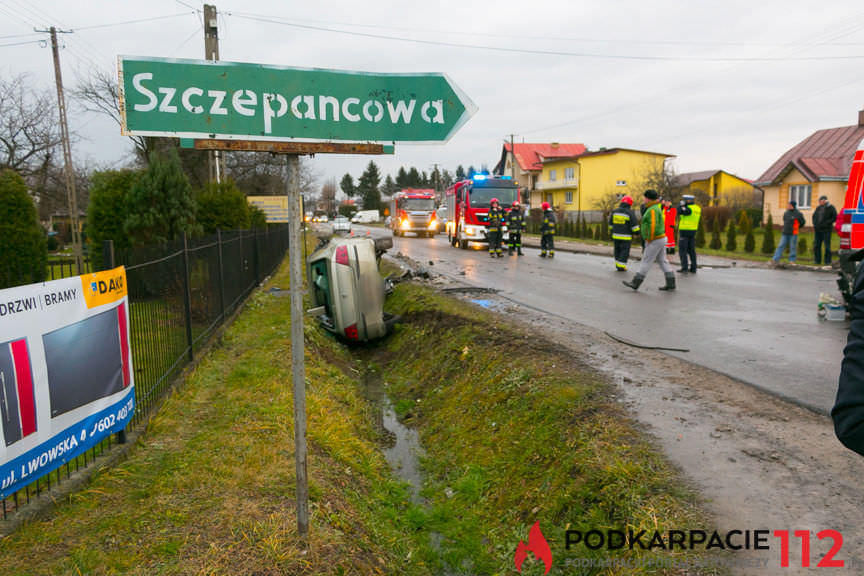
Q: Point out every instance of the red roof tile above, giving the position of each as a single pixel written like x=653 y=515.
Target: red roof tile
x=823 y=154
x=530 y=156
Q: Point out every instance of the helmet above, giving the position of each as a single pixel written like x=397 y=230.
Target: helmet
x=545 y=206
x=515 y=204
x=627 y=200
x=493 y=201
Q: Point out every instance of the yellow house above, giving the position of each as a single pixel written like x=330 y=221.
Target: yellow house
x=817 y=166
x=718 y=187
x=586 y=183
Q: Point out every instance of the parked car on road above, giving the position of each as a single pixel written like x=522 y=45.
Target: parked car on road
x=347 y=289
x=341 y=224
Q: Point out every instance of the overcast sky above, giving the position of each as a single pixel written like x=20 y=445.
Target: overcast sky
x=725 y=85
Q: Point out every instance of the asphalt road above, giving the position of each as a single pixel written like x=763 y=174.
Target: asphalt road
x=757 y=325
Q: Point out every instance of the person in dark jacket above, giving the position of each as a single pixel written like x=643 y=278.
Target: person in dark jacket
x=515 y=223
x=848 y=411
x=823 y=224
x=793 y=220
x=623 y=224
x=494 y=232
x=547 y=232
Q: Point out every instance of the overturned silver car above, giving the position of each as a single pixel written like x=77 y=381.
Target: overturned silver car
x=347 y=289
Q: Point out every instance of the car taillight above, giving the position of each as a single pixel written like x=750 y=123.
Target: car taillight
x=342 y=255
x=351 y=332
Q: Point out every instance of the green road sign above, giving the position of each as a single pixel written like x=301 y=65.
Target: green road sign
x=230 y=100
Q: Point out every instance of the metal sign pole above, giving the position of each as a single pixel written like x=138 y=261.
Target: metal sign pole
x=298 y=370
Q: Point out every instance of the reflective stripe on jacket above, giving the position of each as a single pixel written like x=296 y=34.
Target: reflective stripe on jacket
x=623 y=223
x=548 y=224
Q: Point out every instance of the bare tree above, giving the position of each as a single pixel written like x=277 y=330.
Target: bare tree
x=100 y=93
x=606 y=203
x=659 y=177
x=29 y=131
x=328 y=196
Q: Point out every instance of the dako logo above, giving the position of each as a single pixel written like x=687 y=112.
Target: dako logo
x=536 y=544
x=103 y=287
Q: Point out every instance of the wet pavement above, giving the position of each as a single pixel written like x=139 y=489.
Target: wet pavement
x=747 y=320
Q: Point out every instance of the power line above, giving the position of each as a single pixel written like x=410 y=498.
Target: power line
x=549 y=52
x=126 y=22
x=19 y=36
x=459 y=32
x=23 y=43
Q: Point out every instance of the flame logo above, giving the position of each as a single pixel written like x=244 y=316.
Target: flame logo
x=536 y=544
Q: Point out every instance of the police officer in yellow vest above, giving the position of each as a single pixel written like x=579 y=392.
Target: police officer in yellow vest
x=688 y=223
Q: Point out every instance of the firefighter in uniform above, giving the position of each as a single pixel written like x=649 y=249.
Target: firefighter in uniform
x=547 y=232
x=515 y=223
x=622 y=225
x=688 y=223
x=493 y=233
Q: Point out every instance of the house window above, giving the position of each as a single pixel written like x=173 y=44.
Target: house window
x=569 y=173
x=801 y=194
x=568 y=197
x=552 y=175
x=621 y=183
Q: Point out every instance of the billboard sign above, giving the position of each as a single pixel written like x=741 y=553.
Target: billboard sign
x=275 y=208
x=66 y=378
x=230 y=100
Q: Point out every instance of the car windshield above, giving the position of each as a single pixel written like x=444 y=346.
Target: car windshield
x=480 y=197
x=340 y=219
x=426 y=204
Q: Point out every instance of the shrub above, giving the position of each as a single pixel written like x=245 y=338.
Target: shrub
x=716 y=243
x=106 y=212
x=731 y=236
x=700 y=234
x=744 y=222
x=768 y=245
x=750 y=241
x=23 y=254
x=222 y=206
x=160 y=206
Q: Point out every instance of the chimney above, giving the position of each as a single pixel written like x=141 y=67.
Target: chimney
x=861 y=118
x=555 y=144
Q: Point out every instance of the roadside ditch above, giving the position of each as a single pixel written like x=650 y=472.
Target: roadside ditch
x=496 y=429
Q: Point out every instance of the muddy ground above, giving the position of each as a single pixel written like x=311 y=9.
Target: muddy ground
x=758 y=462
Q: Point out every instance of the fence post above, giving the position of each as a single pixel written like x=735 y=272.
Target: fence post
x=255 y=259
x=221 y=275
x=187 y=288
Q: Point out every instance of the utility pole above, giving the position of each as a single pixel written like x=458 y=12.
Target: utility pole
x=71 y=196
x=211 y=52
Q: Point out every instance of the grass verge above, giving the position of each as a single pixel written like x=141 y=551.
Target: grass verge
x=518 y=431
x=209 y=489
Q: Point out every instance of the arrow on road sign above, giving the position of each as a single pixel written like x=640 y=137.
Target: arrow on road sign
x=230 y=100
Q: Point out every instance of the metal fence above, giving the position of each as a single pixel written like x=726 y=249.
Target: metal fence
x=179 y=295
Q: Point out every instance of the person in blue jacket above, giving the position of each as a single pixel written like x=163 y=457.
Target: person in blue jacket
x=848 y=411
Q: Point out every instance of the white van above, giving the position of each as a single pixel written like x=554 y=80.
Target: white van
x=366 y=217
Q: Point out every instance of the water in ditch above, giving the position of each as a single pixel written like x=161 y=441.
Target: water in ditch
x=401 y=445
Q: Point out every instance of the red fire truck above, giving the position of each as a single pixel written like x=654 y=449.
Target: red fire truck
x=850 y=226
x=413 y=210
x=468 y=206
